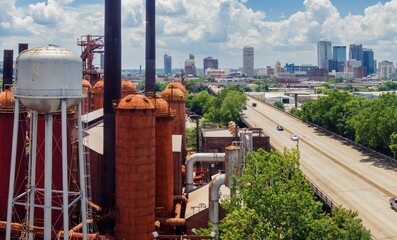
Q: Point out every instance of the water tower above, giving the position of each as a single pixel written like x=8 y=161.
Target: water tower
x=48 y=80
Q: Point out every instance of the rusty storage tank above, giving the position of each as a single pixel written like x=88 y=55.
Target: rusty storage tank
x=57 y=217
x=86 y=101
x=97 y=92
x=164 y=159
x=176 y=100
x=135 y=167
x=7 y=102
x=180 y=86
x=127 y=88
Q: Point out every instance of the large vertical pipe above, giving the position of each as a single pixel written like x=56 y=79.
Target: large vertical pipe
x=82 y=173
x=112 y=91
x=48 y=176
x=7 y=67
x=12 y=169
x=32 y=165
x=65 y=197
x=150 y=69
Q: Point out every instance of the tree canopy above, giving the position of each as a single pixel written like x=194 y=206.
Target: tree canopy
x=223 y=107
x=274 y=200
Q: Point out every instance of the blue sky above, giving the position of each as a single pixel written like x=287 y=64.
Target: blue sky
x=281 y=9
x=282 y=30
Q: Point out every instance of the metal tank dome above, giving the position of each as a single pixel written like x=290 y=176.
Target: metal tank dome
x=86 y=84
x=45 y=75
x=99 y=85
x=7 y=101
x=127 y=85
x=179 y=86
x=135 y=101
x=173 y=94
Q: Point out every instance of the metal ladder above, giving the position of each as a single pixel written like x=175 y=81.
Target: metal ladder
x=87 y=172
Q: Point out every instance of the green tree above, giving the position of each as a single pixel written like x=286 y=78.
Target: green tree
x=393 y=144
x=374 y=124
x=226 y=106
x=199 y=103
x=278 y=104
x=274 y=200
x=333 y=111
x=296 y=112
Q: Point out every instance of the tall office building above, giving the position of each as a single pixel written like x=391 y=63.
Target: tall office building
x=248 y=61
x=368 y=61
x=356 y=52
x=324 y=53
x=210 y=62
x=167 y=64
x=339 y=53
x=190 y=65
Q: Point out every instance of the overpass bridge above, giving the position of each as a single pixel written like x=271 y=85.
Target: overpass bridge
x=351 y=177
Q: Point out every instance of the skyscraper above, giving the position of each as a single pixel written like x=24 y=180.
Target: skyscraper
x=339 y=53
x=248 y=61
x=324 y=53
x=368 y=61
x=190 y=66
x=210 y=62
x=167 y=64
x=356 y=52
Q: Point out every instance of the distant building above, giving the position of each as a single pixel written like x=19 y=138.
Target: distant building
x=211 y=63
x=167 y=64
x=386 y=69
x=216 y=73
x=318 y=74
x=292 y=68
x=324 y=53
x=359 y=72
x=339 y=53
x=190 y=66
x=248 y=61
x=335 y=65
x=368 y=61
x=356 y=52
x=277 y=67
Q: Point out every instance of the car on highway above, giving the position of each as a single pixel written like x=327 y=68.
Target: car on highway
x=254 y=104
x=393 y=203
x=280 y=128
x=294 y=137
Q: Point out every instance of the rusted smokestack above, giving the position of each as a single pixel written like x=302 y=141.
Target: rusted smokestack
x=150 y=69
x=22 y=47
x=7 y=67
x=112 y=91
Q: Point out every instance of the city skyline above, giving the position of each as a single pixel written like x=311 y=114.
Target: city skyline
x=215 y=28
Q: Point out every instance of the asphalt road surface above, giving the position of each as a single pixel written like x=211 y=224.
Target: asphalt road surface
x=350 y=177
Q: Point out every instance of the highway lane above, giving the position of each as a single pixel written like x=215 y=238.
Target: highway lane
x=350 y=177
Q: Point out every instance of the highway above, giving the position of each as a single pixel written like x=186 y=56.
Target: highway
x=350 y=177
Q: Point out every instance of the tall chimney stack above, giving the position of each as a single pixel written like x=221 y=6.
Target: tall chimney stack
x=112 y=91
x=22 y=47
x=150 y=69
x=7 y=67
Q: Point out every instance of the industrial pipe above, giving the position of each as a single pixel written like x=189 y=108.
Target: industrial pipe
x=214 y=187
x=203 y=157
x=176 y=221
x=180 y=198
x=77 y=235
x=172 y=222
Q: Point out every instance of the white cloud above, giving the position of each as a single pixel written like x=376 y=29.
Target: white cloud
x=218 y=28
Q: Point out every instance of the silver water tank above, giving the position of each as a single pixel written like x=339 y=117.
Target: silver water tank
x=45 y=75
